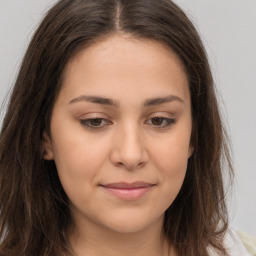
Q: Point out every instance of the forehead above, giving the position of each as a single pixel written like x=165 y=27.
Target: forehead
x=118 y=62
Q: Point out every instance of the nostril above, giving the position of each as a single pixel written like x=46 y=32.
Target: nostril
x=141 y=164
x=130 y=166
x=120 y=164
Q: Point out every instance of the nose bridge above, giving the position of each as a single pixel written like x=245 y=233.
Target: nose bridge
x=129 y=146
x=132 y=138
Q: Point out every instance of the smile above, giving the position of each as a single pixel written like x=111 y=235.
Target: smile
x=128 y=191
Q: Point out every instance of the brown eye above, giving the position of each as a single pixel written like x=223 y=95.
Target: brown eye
x=161 y=122
x=157 y=121
x=95 y=123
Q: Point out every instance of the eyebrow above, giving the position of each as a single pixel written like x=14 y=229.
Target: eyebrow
x=110 y=102
x=96 y=99
x=162 y=100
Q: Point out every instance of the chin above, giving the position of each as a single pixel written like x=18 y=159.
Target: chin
x=132 y=223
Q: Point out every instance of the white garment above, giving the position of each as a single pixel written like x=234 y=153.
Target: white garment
x=233 y=244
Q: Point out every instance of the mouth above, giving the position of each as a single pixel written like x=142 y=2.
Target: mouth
x=128 y=191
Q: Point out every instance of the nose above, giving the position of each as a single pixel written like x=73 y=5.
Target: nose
x=128 y=148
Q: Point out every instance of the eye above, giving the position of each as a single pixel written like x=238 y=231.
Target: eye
x=95 y=123
x=161 y=122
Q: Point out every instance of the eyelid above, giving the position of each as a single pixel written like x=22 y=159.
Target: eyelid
x=86 y=120
x=86 y=123
x=162 y=114
x=93 y=115
x=169 y=121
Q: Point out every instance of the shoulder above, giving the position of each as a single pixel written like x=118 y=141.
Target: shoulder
x=238 y=243
x=248 y=241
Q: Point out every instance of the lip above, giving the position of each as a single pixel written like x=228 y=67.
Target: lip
x=128 y=191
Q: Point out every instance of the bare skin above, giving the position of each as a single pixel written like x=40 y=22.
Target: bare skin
x=123 y=116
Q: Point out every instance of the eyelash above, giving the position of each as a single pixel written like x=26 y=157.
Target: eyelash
x=88 y=122
x=168 y=122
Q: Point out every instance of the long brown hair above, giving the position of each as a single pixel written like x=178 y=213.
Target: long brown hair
x=34 y=209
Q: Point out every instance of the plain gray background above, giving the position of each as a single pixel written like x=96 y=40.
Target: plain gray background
x=228 y=29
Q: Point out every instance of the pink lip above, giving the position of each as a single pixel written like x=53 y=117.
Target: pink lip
x=128 y=191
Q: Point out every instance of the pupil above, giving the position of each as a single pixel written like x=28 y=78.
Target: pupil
x=96 y=121
x=157 y=120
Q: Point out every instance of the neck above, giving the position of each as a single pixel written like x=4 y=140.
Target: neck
x=94 y=241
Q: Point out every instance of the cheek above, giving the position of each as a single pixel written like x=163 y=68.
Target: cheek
x=78 y=167
x=170 y=159
x=78 y=159
x=173 y=169
x=171 y=155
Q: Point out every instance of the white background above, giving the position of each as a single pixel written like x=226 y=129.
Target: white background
x=228 y=29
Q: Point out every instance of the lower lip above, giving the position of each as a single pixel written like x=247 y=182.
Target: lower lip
x=128 y=193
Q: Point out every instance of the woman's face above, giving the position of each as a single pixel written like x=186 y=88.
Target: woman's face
x=120 y=133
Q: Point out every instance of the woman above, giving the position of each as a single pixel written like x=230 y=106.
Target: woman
x=112 y=143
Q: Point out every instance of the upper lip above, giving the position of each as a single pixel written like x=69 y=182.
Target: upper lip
x=137 y=184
